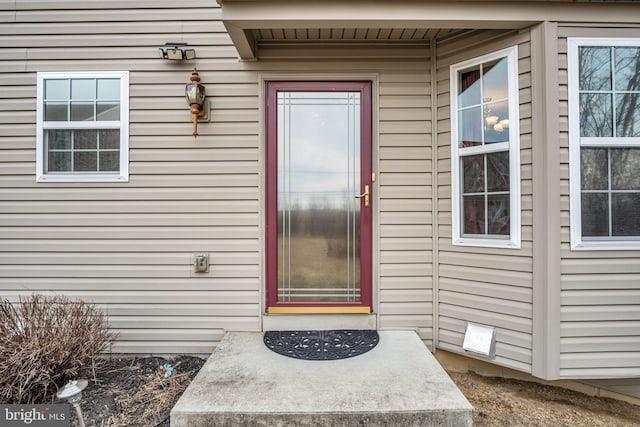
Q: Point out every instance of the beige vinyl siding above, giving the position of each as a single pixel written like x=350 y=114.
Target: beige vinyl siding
x=600 y=290
x=128 y=247
x=404 y=184
x=489 y=286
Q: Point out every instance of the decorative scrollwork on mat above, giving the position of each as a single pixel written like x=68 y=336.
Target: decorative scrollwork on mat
x=321 y=345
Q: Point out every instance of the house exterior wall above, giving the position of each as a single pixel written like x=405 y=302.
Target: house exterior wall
x=489 y=286
x=599 y=290
x=128 y=247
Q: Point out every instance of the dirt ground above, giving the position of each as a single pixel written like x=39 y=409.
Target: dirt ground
x=138 y=392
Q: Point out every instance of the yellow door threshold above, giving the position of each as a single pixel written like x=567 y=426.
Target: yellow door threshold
x=318 y=310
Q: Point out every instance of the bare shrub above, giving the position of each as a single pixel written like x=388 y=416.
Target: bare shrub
x=46 y=341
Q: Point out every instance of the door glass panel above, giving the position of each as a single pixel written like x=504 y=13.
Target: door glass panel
x=318 y=148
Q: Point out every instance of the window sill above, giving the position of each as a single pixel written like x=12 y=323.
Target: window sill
x=82 y=178
x=621 y=245
x=486 y=243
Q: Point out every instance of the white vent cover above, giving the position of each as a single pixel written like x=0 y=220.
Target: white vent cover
x=480 y=339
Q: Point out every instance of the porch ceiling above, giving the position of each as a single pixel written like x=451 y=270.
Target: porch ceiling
x=251 y=23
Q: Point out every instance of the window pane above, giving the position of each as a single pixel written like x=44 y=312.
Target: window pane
x=56 y=89
x=595 y=68
x=85 y=161
x=109 y=139
x=624 y=214
x=625 y=169
x=498 y=171
x=495 y=80
x=596 y=115
x=85 y=140
x=594 y=169
x=627 y=68
x=473 y=211
x=83 y=89
x=56 y=112
x=109 y=161
x=82 y=111
x=495 y=115
x=108 y=111
x=469 y=87
x=595 y=216
x=59 y=161
x=109 y=89
x=58 y=139
x=470 y=127
x=498 y=214
x=628 y=114
x=473 y=174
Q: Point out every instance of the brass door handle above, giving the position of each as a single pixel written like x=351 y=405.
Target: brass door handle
x=365 y=195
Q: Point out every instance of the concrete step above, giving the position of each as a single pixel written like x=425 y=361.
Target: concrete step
x=398 y=383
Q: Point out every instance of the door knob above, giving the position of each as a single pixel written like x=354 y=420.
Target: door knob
x=365 y=195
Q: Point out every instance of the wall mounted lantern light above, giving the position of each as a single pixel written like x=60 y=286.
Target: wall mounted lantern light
x=196 y=98
x=176 y=52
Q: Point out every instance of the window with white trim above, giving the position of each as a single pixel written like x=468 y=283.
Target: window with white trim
x=82 y=126
x=485 y=158
x=604 y=132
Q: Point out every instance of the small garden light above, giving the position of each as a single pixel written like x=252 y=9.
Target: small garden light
x=72 y=391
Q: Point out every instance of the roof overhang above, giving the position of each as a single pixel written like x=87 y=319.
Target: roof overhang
x=252 y=22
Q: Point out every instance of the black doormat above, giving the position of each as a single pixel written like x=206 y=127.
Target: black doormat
x=321 y=345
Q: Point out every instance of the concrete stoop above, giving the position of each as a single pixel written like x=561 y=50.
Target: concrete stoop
x=398 y=383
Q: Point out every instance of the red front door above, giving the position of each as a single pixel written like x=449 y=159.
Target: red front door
x=319 y=197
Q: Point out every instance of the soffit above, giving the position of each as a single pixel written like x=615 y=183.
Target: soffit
x=251 y=23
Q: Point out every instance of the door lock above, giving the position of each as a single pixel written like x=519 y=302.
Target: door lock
x=365 y=195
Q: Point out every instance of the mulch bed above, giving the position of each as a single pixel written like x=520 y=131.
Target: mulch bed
x=136 y=391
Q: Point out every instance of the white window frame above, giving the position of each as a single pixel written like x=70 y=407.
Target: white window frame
x=123 y=125
x=513 y=240
x=576 y=142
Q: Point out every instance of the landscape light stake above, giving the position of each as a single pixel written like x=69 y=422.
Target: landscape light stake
x=72 y=391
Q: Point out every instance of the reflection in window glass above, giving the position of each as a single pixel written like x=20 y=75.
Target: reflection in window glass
x=469 y=84
x=470 y=127
x=609 y=107
x=595 y=68
x=473 y=174
x=498 y=216
x=56 y=89
x=610 y=191
x=494 y=79
x=485 y=183
x=498 y=171
x=596 y=117
x=83 y=89
x=83 y=150
x=628 y=114
x=482 y=117
x=594 y=169
x=496 y=122
x=595 y=210
x=624 y=214
x=627 y=68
